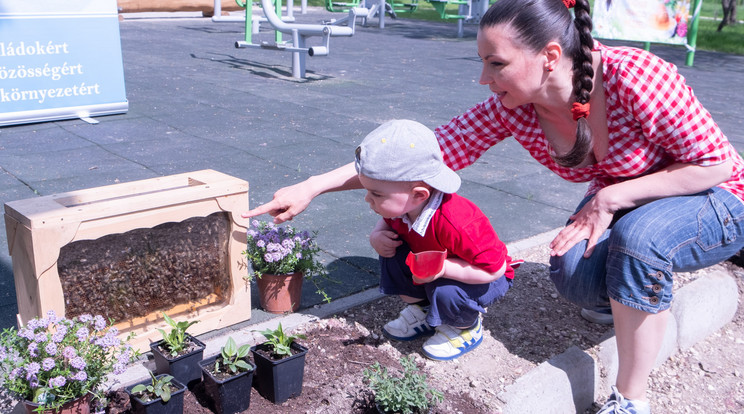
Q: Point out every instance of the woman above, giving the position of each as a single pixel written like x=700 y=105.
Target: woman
x=665 y=184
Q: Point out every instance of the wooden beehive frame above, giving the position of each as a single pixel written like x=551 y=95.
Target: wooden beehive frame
x=38 y=228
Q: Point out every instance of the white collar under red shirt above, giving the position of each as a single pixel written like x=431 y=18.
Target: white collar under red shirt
x=423 y=219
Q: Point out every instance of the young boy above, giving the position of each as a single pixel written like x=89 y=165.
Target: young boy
x=400 y=165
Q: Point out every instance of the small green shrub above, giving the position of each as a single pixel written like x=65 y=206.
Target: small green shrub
x=406 y=394
x=232 y=358
x=279 y=341
x=159 y=387
x=175 y=340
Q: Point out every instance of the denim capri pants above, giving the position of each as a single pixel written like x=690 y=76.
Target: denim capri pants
x=634 y=259
x=451 y=302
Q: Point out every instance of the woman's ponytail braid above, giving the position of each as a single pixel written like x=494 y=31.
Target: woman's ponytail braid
x=539 y=22
x=583 y=75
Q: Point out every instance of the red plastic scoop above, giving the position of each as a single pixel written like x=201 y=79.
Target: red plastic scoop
x=426 y=264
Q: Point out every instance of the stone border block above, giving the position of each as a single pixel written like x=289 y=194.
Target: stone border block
x=559 y=383
x=703 y=307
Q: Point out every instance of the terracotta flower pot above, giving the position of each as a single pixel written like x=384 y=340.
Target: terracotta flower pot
x=280 y=293
x=79 y=406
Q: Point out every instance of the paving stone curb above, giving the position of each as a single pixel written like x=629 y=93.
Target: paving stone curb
x=571 y=381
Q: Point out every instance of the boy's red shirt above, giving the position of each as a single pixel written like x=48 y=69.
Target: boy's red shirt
x=459 y=226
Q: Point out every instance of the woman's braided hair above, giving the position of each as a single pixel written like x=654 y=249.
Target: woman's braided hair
x=538 y=22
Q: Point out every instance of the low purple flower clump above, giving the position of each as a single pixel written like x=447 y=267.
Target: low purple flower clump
x=52 y=361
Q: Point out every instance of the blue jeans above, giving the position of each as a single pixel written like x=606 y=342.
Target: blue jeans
x=634 y=259
x=451 y=302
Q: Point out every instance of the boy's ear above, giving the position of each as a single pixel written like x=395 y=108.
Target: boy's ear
x=421 y=193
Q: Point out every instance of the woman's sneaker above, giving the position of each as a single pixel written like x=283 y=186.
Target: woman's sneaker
x=617 y=404
x=602 y=317
x=410 y=325
x=449 y=343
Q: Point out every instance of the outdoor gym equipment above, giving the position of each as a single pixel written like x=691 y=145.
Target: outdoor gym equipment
x=379 y=8
x=335 y=6
x=254 y=23
x=403 y=6
x=217 y=17
x=387 y=6
x=470 y=11
x=300 y=32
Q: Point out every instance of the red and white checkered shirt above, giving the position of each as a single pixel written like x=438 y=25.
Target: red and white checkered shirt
x=653 y=117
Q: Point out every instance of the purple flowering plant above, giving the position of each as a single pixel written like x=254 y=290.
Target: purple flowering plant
x=284 y=250
x=54 y=360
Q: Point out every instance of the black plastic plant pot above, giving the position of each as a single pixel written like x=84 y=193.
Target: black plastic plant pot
x=185 y=368
x=158 y=406
x=230 y=395
x=279 y=380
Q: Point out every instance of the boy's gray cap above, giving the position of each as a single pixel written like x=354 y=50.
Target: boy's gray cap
x=403 y=150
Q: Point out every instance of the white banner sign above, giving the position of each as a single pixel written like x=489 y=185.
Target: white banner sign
x=59 y=59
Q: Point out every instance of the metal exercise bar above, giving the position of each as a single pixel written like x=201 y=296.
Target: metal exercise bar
x=300 y=32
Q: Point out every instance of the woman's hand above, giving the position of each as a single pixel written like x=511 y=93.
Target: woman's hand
x=588 y=224
x=674 y=180
x=384 y=240
x=286 y=204
x=294 y=199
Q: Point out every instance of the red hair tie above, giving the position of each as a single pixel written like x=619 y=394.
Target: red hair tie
x=580 y=110
x=569 y=3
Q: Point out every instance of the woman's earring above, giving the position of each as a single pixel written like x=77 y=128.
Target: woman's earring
x=550 y=69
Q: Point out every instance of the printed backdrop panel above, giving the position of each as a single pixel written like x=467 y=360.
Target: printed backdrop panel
x=656 y=21
x=62 y=60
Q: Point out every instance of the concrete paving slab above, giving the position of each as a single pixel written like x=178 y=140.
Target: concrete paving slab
x=343 y=222
x=313 y=156
x=8 y=314
x=17 y=142
x=544 y=187
x=14 y=190
x=112 y=172
x=65 y=163
x=114 y=130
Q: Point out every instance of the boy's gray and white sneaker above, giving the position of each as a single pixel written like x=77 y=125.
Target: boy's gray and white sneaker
x=450 y=342
x=410 y=325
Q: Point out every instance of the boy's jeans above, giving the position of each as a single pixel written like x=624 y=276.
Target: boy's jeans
x=453 y=303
